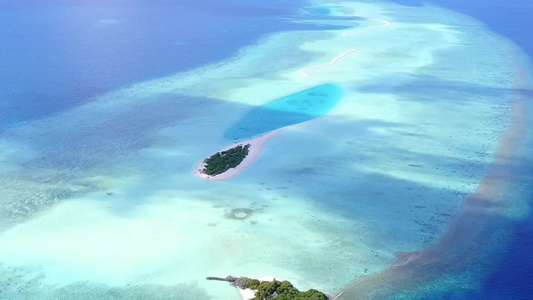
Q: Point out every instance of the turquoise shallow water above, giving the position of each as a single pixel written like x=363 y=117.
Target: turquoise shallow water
x=99 y=202
x=290 y=110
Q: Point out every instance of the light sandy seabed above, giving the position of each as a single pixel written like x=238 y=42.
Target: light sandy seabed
x=326 y=202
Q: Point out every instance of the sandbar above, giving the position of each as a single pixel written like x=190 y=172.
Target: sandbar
x=256 y=145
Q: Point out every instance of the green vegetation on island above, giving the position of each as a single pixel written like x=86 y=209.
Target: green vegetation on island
x=283 y=290
x=222 y=161
x=280 y=290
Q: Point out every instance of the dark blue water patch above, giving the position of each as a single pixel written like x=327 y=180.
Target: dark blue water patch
x=58 y=54
x=293 y=109
x=512 y=277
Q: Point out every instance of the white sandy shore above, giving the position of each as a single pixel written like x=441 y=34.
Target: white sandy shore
x=248 y=294
x=256 y=145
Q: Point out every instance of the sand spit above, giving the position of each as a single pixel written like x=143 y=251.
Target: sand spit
x=256 y=145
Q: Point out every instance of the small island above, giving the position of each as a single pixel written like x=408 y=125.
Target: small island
x=233 y=160
x=280 y=290
x=222 y=161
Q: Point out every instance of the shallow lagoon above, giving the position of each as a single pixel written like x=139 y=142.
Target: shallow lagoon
x=94 y=212
x=286 y=111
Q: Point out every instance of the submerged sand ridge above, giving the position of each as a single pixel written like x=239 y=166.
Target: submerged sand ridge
x=305 y=71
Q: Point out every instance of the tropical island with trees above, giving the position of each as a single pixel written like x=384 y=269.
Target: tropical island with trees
x=280 y=290
x=233 y=160
x=222 y=161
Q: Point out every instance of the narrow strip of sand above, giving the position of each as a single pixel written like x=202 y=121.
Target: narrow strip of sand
x=256 y=145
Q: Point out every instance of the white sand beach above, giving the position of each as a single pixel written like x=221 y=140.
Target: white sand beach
x=247 y=294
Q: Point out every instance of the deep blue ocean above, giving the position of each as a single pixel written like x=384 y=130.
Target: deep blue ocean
x=58 y=54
